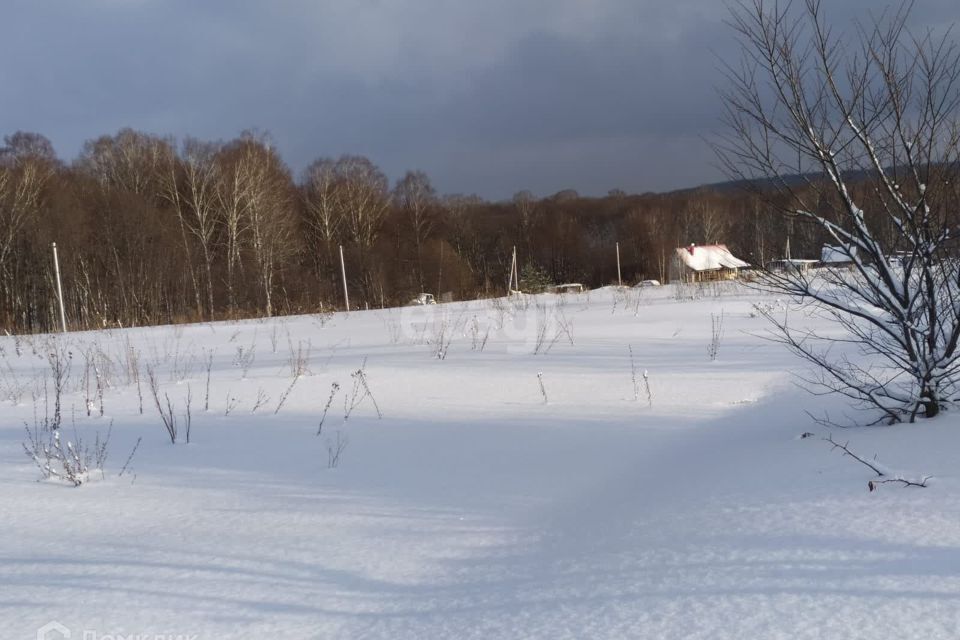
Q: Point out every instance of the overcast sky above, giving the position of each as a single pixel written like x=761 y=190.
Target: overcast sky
x=486 y=96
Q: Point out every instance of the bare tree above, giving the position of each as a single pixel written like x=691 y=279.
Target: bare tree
x=526 y=206
x=417 y=198
x=232 y=210
x=256 y=198
x=363 y=201
x=323 y=218
x=22 y=181
x=361 y=197
x=271 y=217
x=201 y=174
x=170 y=185
x=319 y=189
x=459 y=222
x=712 y=224
x=26 y=144
x=27 y=164
x=879 y=107
x=130 y=161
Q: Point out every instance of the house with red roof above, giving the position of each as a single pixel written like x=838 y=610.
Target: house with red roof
x=705 y=263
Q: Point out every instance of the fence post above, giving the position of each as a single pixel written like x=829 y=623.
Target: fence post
x=619 y=279
x=343 y=272
x=56 y=270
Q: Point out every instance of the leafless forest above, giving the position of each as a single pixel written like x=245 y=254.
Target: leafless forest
x=153 y=230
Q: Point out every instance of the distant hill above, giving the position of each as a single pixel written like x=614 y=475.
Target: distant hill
x=792 y=180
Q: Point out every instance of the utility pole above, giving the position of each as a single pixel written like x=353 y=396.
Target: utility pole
x=440 y=271
x=789 y=233
x=56 y=270
x=514 y=280
x=516 y=270
x=619 y=279
x=343 y=272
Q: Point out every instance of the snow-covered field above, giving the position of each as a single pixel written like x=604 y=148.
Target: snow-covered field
x=472 y=508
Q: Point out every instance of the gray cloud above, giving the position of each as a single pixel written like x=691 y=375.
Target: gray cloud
x=489 y=97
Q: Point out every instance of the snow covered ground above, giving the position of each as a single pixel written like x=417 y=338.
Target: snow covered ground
x=473 y=508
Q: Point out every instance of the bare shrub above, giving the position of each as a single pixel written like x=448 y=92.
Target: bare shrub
x=552 y=325
x=133 y=373
x=442 y=339
x=133 y=452
x=299 y=359
x=245 y=357
x=335 y=447
x=230 y=404
x=333 y=391
x=70 y=462
x=188 y=413
x=94 y=359
x=12 y=388
x=206 y=395
x=283 y=396
x=262 y=399
x=564 y=327
x=716 y=335
x=167 y=417
x=359 y=393
x=59 y=360
x=543 y=389
x=393 y=327
x=478 y=342
x=298 y=362
x=646 y=387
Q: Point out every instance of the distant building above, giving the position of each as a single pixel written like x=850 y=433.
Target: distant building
x=705 y=263
x=899 y=258
x=791 y=264
x=831 y=256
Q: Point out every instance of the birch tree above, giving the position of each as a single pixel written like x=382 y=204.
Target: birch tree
x=201 y=175
x=319 y=189
x=21 y=188
x=130 y=161
x=362 y=198
x=323 y=218
x=170 y=185
x=27 y=164
x=255 y=198
x=232 y=206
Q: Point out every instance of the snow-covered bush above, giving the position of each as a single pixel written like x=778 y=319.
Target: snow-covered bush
x=64 y=460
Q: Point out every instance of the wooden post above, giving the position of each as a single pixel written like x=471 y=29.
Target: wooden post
x=516 y=270
x=56 y=270
x=619 y=279
x=343 y=272
x=514 y=274
x=440 y=271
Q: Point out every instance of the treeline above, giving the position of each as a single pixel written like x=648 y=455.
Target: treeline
x=151 y=230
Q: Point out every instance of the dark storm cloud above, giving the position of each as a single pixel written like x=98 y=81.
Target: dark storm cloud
x=488 y=97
